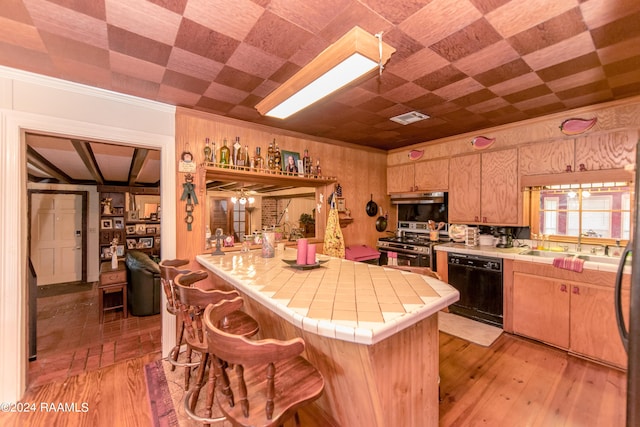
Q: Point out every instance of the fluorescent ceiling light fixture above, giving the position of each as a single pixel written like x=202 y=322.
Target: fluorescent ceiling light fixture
x=410 y=117
x=354 y=55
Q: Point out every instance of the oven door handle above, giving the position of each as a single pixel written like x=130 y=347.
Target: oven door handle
x=400 y=252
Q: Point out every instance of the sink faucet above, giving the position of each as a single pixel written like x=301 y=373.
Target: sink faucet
x=598 y=249
x=579 y=246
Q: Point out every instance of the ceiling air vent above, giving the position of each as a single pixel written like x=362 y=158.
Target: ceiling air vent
x=410 y=117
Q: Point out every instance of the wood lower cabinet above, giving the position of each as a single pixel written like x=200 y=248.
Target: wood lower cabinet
x=575 y=316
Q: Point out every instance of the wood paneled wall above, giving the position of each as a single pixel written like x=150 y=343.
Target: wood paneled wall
x=361 y=172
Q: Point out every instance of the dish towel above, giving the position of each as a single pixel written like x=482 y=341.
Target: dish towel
x=569 y=263
x=333 y=240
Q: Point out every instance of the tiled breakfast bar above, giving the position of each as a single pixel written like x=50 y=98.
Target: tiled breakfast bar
x=371 y=331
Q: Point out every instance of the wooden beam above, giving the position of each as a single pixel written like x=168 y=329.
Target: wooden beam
x=89 y=160
x=45 y=166
x=139 y=158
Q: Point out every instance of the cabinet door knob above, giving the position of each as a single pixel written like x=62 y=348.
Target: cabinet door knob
x=576 y=290
x=568 y=168
x=563 y=288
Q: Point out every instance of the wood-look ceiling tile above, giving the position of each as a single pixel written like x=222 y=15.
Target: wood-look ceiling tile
x=86 y=73
x=473 y=98
x=188 y=83
x=417 y=65
x=376 y=104
x=489 y=105
x=250 y=100
x=617 y=31
x=353 y=96
x=310 y=15
x=584 y=89
x=598 y=13
x=506 y=114
x=405 y=92
x=590 y=99
x=134 y=86
x=504 y=72
x=68 y=23
x=624 y=66
x=94 y=8
x=204 y=41
x=15 y=10
x=560 y=52
x=192 y=64
x=20 y=34
x=265 y=88
x=424 y=102
x=486 y=59
x=523 y=95
x=283 y=73
x=144 y=18
x=459 y=88
x=125 y=64
x=518 y=83
x=619 y=51
x=486 y=6
x=214 y=105
x=176 y=6
x=519 y=15
x=472 y=38
x=440 y=78
x=396 y=11
x=355 y=14
x=128 y=43
x=577 y=79
x=540 y=106
x=439 y=19
x=381 y=84
x=548 y=33
x=226 y=93
x=233 y=18
x=405 y=46
x=62 y=47
x=175 y=96
x=238 y=79
x=626 y=90
x=26 y=59
x=255 y=61
x=569 y=67
x=276 y=36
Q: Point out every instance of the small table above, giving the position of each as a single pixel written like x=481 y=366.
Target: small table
x=112 y=280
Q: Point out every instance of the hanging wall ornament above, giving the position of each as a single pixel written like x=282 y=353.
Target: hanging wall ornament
x=577 y=126
x=415 y=154
x=189 y=195
x=482 y=142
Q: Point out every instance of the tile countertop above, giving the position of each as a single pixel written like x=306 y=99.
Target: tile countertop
x=341 y=299
x=515 y=253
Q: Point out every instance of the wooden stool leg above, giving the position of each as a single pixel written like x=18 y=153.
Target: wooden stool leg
x=187 y=370
x=199 y=380
x=176 y=349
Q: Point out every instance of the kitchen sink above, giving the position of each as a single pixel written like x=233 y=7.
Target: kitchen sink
x=587 y=257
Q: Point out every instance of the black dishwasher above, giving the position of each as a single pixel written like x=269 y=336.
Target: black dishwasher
x=479 y=281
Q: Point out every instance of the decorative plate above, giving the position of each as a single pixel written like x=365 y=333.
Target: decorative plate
x=458 y=232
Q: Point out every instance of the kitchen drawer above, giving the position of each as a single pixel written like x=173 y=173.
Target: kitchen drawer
x=113 y=277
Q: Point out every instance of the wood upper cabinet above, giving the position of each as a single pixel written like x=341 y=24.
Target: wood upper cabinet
x=464 y=189
x=500 y=201
x=429 y=175
x=586 y=153
x=483 y=188
x=576 y=316
x=541 y=309
x=546 y=157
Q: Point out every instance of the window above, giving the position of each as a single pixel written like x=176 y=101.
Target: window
x=592 y=210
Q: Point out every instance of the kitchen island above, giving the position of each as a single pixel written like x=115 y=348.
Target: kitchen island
x=371 y=331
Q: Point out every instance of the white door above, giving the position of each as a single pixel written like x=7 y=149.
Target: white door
x=56 y=237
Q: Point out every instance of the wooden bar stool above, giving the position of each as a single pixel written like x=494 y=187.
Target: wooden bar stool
x=168 y=272
x=271 y=382
x=193 y=302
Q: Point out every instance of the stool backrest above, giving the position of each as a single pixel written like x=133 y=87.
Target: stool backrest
x=168 y=272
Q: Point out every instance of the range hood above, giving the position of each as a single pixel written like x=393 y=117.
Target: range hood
x=419 y=198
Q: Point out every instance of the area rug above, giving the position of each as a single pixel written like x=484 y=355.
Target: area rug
x=467 y=329
x=160 y=402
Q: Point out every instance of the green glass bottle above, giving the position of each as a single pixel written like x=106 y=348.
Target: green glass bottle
x=225 y=154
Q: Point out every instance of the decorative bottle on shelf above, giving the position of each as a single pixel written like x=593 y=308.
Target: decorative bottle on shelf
x=236 y=151
x=214 y=154
x=259 y=162
x=309 y=169
x=225 y=154
x=306 y=162
x=207 y=150
x=240 y=154
x=270 y=155
x=318 y=171
x=247 y=158
x=277 y=157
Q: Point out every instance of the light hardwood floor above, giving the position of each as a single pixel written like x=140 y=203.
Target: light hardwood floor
x=515 y=382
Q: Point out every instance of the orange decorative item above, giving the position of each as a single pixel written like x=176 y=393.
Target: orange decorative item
x=577 y=126
x=482 y=142
x=415 y=154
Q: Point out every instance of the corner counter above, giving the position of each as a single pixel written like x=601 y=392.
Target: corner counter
x=370 y=330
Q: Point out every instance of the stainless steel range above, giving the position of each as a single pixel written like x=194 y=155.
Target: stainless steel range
x=413 y=246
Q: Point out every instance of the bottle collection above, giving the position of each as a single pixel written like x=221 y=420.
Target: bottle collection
x=239 y=157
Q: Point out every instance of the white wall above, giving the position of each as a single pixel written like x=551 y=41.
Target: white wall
x=30 y=102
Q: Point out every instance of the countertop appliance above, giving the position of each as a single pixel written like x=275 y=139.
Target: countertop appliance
x=413 y=247
x=479 y=281
x=631 y=336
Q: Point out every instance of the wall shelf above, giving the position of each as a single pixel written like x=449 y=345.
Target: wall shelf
x=272 y=180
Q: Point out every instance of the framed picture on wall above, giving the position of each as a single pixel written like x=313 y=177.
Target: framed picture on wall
x=131 y=229
x=118 y=222
x=141 y=229
x=120 y=250
x=132 y=243
x=106 y=223
x=290 y=162
x=146 y=242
